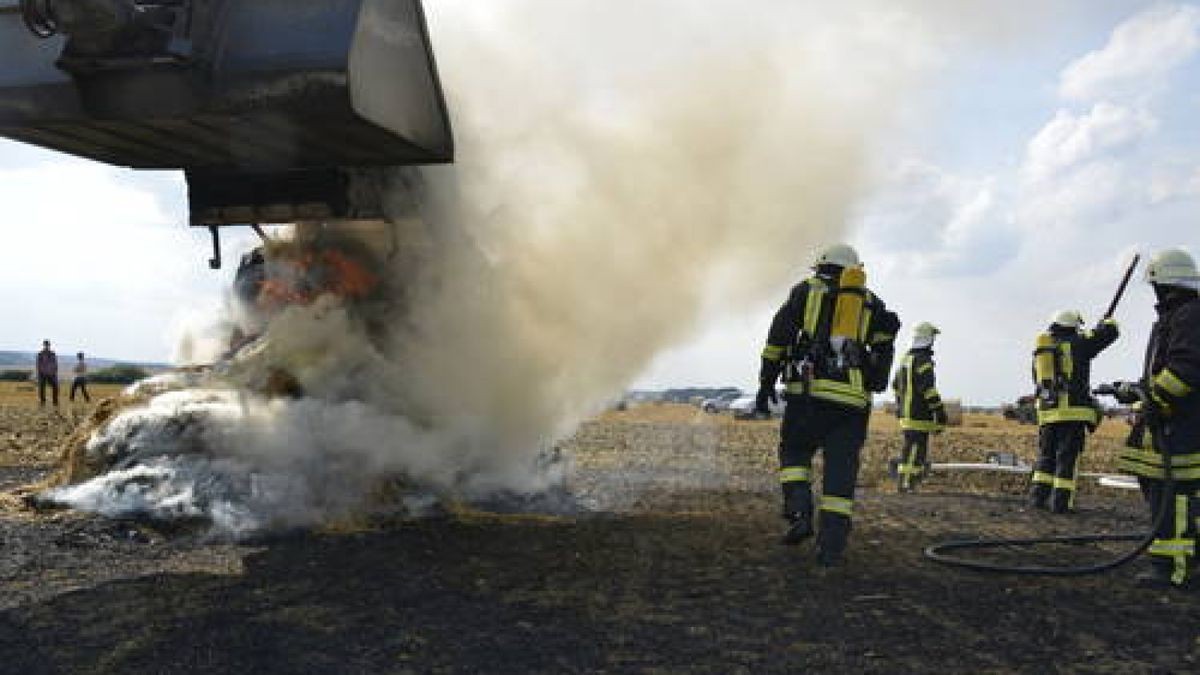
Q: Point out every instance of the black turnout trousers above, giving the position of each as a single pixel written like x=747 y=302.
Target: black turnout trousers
x=810 y=425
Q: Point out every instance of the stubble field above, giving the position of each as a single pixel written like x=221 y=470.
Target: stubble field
x=670 y=565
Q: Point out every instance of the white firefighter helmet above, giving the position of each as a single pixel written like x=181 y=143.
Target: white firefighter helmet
x=923 y=335
x=1067 y=318
x=1173 y=267
x=842 y=255
x=925 y=330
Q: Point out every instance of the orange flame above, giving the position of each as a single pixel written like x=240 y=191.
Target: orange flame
x=314 y=273
x=348 y=278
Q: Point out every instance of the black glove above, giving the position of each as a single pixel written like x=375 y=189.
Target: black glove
x=766 y=393
x=1127 y=392
x=1154 y=413
x=940 y=417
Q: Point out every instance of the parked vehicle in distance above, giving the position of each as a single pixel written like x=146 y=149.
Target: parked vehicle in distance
x=721 y=402
x=743 y=408
x=1023 y=411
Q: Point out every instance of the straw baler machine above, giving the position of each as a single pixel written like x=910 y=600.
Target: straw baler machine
x=277 y=111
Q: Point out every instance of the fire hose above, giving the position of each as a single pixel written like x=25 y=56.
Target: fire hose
x=941 y=552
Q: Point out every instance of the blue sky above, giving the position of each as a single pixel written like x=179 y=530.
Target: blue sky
x=1025 y=164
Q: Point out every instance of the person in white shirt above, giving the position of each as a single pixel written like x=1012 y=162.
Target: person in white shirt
x=80 y=382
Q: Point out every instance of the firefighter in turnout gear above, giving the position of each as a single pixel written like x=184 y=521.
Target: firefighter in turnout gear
x=1066 y=411
x=918 y=405
x=832 y=342
x=1169 y=421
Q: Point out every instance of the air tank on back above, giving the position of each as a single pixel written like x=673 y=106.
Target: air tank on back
x=277 y=110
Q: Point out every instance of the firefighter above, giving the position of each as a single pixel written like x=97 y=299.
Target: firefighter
x=1170 y=420
x=1066 y=411
x=832 y=342
x=918 y=405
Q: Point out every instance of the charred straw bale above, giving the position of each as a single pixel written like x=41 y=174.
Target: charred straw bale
x=75 y=466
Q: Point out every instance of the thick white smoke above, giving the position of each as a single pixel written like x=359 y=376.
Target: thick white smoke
x=623 y=170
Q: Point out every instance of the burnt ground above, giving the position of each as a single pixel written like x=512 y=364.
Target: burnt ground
x=673 y=571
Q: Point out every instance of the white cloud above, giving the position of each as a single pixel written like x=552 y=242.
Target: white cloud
x=1092 y=171
x=71 y=213
x=1139 y=54
x=1170 y=183
x=1071 y=203
x=934 y=222
x=1070 y=140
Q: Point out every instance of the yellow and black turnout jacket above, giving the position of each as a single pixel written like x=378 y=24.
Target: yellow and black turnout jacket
x=1172 y=376
x=918 y=403
x=843 y=371
x=1068 y=398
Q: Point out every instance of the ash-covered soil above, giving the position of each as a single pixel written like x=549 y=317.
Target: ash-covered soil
x=674 y=568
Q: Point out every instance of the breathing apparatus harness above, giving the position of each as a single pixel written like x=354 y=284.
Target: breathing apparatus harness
x=941 y=552
x=828 y=343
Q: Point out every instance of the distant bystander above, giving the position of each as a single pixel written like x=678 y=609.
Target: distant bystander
x=47 y=373
x=79 y=383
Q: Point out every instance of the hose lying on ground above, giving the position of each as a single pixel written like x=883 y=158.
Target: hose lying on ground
x=940 y=552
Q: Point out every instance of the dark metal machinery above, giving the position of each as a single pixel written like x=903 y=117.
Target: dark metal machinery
x=276 y=110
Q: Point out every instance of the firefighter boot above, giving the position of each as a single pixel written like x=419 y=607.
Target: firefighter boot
x=910 y=476
x=798 y=511
x=905 y=473
x=831 y=539
x=1173 y=564
x=1039 y=496
x=922 y=465
x=920 y=471
x=1060 y=501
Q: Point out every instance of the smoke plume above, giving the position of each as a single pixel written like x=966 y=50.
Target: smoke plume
x=623 y=171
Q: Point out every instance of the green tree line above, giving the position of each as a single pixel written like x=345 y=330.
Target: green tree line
x=118 y=374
